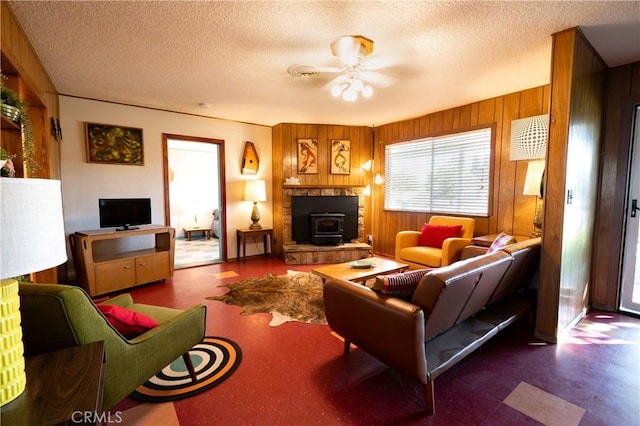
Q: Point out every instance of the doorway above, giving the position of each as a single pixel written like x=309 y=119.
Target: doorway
x=195 y=198
x=630 y=287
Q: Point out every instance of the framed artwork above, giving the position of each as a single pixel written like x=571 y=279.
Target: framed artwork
x=111 y=144
x=340 y=157
x=308 y=156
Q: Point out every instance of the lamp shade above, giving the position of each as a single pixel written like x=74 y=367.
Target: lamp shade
x=33 y=239
x=529 y=137
x=255 y=190
x=533 y=180
x=31 y=226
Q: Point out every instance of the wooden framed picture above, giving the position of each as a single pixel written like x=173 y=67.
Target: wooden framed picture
x=340 y=157
x=111 y=144
x=308 y=156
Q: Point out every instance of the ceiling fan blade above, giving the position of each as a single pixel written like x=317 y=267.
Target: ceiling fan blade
x=328 y=69
x=377 y=79
x=341 y=79
x=311 y=70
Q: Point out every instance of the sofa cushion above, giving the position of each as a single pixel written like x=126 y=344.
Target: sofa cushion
x=501 y=241
x=129 y=323
x=434 y=235
x=399 y=285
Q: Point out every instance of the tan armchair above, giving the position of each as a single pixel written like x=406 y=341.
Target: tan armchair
x=408 y=251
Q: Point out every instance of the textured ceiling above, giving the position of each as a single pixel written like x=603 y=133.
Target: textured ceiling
x=233 y=56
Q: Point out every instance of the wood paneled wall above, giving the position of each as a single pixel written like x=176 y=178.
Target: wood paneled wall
x=30 y=80
x=285 y=163
x=577 y=90
x=623 y=94
x=510 y=210
x=34 y=85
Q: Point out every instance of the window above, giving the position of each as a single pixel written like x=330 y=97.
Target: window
x=444 y=174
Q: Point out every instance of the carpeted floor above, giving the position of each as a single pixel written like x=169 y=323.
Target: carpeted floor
x=294 y=296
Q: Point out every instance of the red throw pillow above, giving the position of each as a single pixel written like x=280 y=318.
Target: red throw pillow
x=434 y=235
x=129 y=323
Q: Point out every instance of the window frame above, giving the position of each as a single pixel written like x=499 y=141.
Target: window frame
x=490 y=175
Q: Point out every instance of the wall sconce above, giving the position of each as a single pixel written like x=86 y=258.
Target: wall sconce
x=533 y=185
x=255 y=191
x=33 y=240
x=529 y=138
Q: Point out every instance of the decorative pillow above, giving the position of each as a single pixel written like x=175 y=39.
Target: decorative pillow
x=502 y=240
x=129 y=323
x=434 y=235
x=399 y=285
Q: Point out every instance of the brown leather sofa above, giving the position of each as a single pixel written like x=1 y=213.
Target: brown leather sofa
x=454 y=310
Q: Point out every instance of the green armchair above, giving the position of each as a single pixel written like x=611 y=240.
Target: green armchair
x=56 y=316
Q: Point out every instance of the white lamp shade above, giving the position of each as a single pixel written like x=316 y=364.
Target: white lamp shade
x=529 y=138
x=255 y=190
x=31 y=225
x=533 y=180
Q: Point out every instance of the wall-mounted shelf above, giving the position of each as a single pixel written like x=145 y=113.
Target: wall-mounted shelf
x=9 y=125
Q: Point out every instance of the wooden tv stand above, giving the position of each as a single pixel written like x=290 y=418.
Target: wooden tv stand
x=107 y=260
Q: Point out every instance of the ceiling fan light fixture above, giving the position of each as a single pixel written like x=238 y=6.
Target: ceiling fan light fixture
x=367 y=91
x=350 y=95
x=337 y=90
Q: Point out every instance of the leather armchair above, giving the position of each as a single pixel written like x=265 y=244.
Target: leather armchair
x=56 y=316
x=408 y=251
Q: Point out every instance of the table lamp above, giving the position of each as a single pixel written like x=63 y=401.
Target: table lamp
x=255 y=191
x=533 y=185
x=33 y=239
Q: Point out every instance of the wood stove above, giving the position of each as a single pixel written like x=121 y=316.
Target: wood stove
x=326 y=228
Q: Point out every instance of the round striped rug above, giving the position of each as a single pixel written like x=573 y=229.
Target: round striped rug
x=214 y=360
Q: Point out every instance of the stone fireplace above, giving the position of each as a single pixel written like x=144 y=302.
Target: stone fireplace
x=312 y=253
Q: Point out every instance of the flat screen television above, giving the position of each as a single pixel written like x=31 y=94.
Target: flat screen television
x=124 y=213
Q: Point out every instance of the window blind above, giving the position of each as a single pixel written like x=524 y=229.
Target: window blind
x=444 y=174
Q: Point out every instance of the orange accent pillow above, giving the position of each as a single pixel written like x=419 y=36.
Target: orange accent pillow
x=129 y=323
x=434 y=235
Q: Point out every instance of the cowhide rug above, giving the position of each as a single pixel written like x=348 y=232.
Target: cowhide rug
x=295 y=296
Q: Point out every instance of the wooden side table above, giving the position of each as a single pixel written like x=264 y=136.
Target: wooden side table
x=486 y=240
x=61 y=386
x=243 y=234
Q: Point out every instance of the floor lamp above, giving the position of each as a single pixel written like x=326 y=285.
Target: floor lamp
x=33 y=239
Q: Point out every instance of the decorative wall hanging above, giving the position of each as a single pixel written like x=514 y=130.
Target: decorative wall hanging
x=250 y=160
x=114 y=144
x=308 y=156
x=529 y=137
x=340 y=157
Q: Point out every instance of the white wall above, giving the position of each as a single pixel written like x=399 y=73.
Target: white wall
x=83 y=183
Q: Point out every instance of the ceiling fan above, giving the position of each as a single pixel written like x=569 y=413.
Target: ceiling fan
x=357 y=73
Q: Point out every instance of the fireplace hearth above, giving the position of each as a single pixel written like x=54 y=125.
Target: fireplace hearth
x=297 y=247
